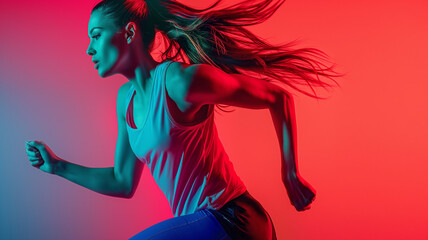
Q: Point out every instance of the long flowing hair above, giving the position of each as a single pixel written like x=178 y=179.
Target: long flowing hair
x=220 y=38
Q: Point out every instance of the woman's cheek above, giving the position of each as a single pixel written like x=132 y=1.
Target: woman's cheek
x=110 y=57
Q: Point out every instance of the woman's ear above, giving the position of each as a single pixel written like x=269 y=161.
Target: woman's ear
x=130 y=30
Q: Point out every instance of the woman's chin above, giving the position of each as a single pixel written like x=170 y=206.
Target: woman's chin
x=104 y=74
x=101 y=73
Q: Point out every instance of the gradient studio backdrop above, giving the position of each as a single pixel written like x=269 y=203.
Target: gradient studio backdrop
x=364 y=150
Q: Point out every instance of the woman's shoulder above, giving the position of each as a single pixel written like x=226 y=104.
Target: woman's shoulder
x=179 y=75
x=185 y=72
x=176 y=69
x=176 y=79
x=177 y=86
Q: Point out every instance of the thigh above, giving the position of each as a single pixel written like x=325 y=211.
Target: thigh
x=200 y=225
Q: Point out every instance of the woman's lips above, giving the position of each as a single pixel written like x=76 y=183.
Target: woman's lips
x=96 y=65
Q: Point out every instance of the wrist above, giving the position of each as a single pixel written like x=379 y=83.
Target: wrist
x=58 y=167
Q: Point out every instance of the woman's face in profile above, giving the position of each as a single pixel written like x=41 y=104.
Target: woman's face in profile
x=106 y=45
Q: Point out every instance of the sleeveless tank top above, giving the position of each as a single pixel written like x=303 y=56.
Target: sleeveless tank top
x=188 y=163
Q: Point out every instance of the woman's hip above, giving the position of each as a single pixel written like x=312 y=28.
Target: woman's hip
x=245 y=218
x=241 y=218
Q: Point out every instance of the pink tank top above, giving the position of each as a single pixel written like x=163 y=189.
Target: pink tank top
x=188 y=163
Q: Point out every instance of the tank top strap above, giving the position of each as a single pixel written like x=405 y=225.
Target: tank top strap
x=159 y=76
x=128 y=98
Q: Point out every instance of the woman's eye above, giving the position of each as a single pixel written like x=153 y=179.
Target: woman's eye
x=96 y=37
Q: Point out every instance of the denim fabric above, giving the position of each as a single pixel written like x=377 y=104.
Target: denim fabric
x=200 y=225
x=241 y=218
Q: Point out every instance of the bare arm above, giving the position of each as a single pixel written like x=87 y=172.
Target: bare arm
x=100 y=180
x=300 y=192
x=118 y=181
x=284 y=119
x=204 y=84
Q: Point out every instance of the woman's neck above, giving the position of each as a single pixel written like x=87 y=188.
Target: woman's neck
x=142 y=73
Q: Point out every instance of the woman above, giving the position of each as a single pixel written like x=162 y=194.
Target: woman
x=166 y=111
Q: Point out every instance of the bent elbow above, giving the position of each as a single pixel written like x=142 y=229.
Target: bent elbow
x=281 y=97
x=128 y=194
x=130 y=191
x=285 y=94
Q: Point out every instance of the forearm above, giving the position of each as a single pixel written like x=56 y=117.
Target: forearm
x=284 y=119
x=101 y=180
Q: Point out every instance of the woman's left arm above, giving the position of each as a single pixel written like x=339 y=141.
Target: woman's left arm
x=206 y=84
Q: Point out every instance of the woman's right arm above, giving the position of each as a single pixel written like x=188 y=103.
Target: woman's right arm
x=118 y=181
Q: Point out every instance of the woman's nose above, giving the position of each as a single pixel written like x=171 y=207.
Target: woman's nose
x=90 y=51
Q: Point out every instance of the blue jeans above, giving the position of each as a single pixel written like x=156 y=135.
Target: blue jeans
x=241 y=218
x=201 y=225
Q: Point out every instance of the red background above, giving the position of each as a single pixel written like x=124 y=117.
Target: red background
x=364 y=149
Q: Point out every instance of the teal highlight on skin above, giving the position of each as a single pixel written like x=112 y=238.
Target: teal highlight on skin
x=286 y=144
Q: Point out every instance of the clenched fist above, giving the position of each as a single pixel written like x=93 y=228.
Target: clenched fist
x=41 y=156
